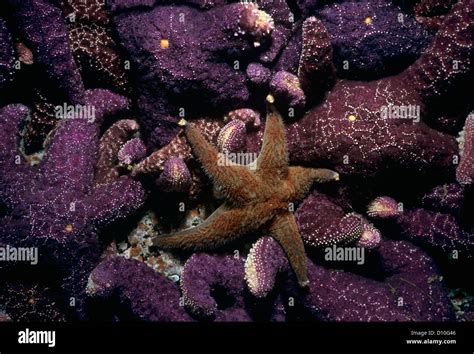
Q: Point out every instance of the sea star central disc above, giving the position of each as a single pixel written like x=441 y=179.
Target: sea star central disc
x=255 y=200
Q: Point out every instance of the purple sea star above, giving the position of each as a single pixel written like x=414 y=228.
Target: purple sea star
x=56 y=206
x=407 y=288
x=192 y=55
x=142 y=293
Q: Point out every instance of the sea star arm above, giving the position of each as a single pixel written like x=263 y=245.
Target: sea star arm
x=448 y=60
x=238 y=182
x=65 y=162
x=285 y=231
x=219 y=228
x=109 y=146
x=300 y=180
x=273 y=158
x=12 y=163
x=68 y=161
x=113 y=201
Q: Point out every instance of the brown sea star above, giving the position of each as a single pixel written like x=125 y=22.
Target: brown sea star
x=255 y=200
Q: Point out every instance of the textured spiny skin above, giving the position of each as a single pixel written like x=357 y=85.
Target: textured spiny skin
x=323 y=223
x=407 y=274
x=370 y=37
x=465 y=170
x=4 y=317
x=96 y=52
x=286 y=89
x=435 y=73
x=43 y=120
x=425 y=227
x=433 y=7
x=254 y=200
x=86 y=10
x=281 y=16
x=92 y=44
x=349 y=123
x=57 y=207
x=315 y=69
x=7 y=55
x=110 y=144
x=232 y=137
x=178 y=147
x=25 y=55
x=203 y=273
x=384 y=207
x=132 y=151
x=173 y=60
x=436 y=229
x=42 y=29
x=447 y=198
x=264 y=262
x=250 y=117
x=24 y=302
x=143 y=293
x=432 y=13
x=40 y=22
x=175 y=176
x=258 y=75
x=370 y=237
x=371 y=143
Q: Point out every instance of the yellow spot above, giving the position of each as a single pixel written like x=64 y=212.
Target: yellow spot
x=68 y=228
x=270 y=99
x=31 y=301
x=182 y=122
x=368 y=20
x=164 y=44
x=352 y=118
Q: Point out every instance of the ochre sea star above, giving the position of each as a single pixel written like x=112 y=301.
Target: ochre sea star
x=254 y=200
